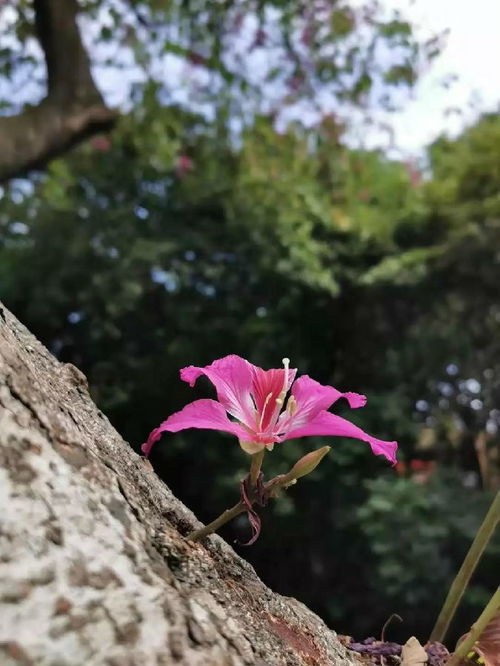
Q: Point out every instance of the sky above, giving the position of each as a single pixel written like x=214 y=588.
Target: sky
x=472 y=52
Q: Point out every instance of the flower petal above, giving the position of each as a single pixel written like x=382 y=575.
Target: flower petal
x=311 y=398
x=308 y=392
x=206 y=414
x=266 y=388
x=355 y=400
x=326 y=423
x=232 y=378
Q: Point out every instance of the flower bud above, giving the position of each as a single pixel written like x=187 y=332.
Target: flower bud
x=306 y=465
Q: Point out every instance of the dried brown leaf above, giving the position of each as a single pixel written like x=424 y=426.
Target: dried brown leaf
x=413 y=654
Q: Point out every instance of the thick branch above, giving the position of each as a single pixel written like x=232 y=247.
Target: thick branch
x=73 y=108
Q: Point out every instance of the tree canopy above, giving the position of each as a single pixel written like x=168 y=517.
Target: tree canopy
x=227 y=59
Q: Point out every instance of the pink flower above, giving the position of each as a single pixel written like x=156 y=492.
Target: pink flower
x=184 y=164
x=259 y=39
x=196 y=58
x=101 y=143
x=413 y=173
x=262 y=416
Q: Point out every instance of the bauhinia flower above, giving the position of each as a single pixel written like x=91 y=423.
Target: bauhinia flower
x=265 y=407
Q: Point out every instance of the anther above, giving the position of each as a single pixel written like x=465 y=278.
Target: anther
x=284 y=390
x=291 y=405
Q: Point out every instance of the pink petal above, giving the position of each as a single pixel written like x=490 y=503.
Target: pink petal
x=326 y=423
x=206 y=414
x=266 y=388
x=355 y=400
x=313 y=397
x=266 y=382
x=154 y=436
x=232 y=378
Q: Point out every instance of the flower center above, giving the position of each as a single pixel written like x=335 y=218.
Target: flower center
x=268 y=421
x=266 y=402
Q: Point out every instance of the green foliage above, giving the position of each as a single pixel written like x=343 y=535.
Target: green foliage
x=418 y=533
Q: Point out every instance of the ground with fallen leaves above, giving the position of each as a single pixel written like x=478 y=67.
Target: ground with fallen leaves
x=385 y=653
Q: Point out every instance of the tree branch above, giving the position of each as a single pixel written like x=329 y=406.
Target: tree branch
x=73 y=108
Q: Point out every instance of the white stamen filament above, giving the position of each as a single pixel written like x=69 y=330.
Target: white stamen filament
x=281 y=398
x=286 y=365
x=266 y=402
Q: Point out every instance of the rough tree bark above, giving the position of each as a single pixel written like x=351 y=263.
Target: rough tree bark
x=94 y=568
x=73 y=107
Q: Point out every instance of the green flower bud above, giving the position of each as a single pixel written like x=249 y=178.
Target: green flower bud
x=305 y=465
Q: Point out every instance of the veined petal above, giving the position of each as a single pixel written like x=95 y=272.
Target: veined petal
x=326 y=423
x=206 y=414
x=311 y=397
x=267 y=387
x=232 y=378
x=355 y=400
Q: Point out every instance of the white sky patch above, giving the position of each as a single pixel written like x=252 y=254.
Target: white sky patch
x=472 y=52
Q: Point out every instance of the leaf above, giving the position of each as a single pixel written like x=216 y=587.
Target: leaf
x=413 y=654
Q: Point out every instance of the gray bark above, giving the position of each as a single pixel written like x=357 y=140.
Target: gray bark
x=94 y=567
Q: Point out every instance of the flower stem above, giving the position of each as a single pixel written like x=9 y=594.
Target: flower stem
x=224 y=518
x=255 y=465
x=270 y=489
x=229 y=514
x=477 y=629
x=468 y=567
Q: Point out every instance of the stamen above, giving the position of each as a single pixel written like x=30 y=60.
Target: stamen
x=266 y=402
x=281 y=398
x=291 y=405
x=286 y=364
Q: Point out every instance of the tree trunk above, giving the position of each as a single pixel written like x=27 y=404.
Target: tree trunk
x=73 y=108
x=94 y=567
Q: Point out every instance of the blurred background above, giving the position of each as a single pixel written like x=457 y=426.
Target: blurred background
x=317 y=179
